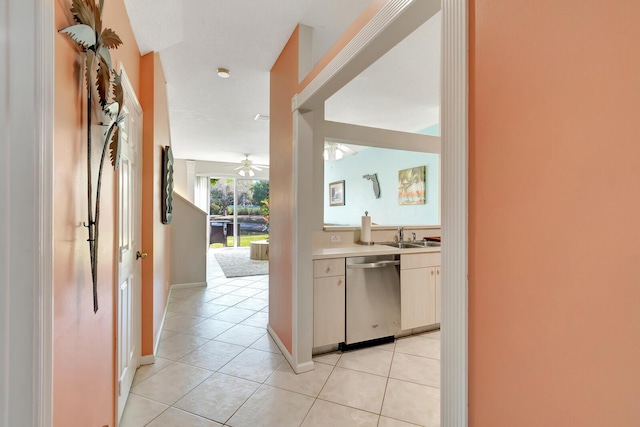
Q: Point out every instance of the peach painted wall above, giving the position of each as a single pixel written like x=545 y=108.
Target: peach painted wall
x=156 y=237
x=554 y=201
x=84 y=354
x=283 y=85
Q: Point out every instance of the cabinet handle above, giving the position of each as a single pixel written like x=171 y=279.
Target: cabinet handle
x=438 y=272
x=339 y=282
x=327 y=270
x=432 y=272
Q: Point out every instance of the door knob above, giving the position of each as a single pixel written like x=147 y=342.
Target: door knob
x=142 y=255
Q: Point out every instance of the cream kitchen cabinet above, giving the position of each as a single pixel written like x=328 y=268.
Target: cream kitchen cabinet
x=419 y=290
x=328 y=301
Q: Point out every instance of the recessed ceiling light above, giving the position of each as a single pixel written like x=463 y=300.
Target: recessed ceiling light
x=224 y=73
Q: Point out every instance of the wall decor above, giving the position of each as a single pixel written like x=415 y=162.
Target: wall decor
x=412 y=185
x=167 y=184
x=95 y=42
x=376 y=185
x=336 y=193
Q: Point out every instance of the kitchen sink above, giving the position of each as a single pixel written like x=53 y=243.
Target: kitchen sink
x=400 y=245
x=424 y=244
x=407 y=245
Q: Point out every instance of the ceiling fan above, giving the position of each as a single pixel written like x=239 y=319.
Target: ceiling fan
x=336 y=151
x=247 y=167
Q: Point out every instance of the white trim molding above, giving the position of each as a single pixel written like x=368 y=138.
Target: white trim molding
x=302 y=223
x=189 y=285
x=5 y=255
x=375 y=137
x=26 y=217
x=396 y=20
x=45 y=86
x=454 y=130
x=297 y=368
x=149 y=359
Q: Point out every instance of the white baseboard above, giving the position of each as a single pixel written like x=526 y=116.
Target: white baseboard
x=189 y=285
x=281 y=346
x=148 y=360
x=304 y=367
x=151 y=358
x=164 y=316
x=297 y=368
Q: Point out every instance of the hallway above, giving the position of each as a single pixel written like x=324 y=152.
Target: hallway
x=217 y=366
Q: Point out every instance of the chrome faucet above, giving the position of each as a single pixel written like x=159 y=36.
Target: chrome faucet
x=413 y=235
x=401 y=234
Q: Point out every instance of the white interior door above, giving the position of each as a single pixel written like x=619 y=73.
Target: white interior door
x=129 y=248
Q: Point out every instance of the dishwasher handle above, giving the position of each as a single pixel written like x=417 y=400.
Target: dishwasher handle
x=379 y=264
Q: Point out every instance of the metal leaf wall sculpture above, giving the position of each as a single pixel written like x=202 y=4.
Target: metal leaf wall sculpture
x=96 y=42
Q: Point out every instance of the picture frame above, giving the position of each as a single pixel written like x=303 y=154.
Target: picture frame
x=336 y=193
x=412 y=186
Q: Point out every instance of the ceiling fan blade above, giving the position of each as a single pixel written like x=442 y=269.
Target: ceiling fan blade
x=256 y=168
x=346 y=148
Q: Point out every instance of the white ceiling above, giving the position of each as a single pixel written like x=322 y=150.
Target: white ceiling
x=400 y=91
x=213 y=118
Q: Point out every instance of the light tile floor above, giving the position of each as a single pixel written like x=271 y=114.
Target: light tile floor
x=217 y=366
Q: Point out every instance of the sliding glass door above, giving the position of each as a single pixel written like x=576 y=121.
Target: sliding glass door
x=239 y=211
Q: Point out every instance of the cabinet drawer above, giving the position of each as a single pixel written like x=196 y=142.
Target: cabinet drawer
x=328 y=267
x=409 y=261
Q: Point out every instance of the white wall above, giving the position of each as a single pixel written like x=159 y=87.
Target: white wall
x=180 y=177
x=386 y=210
x=189 y=239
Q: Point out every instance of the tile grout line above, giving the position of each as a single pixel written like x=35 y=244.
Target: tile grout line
x=165 y=410
x=229 y=361
x=321 y=388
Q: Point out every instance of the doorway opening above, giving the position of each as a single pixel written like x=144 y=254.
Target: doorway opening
x=238 y=211
x=310 y=128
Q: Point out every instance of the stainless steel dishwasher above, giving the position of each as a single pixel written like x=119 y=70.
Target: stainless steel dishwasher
x=372 y=299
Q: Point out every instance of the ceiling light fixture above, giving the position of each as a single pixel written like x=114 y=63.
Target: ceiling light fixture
x=223 y=72
x=246 y=171
x=332 y=151
x=247 y=167
x=261 y=117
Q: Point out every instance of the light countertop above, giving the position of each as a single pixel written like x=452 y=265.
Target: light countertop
x=363 y=250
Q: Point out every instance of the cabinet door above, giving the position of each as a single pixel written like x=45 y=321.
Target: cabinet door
x=328 y=310
x=417 y=297
x=438 y=294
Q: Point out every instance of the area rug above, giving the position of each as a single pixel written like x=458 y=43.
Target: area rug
x=236 y=263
